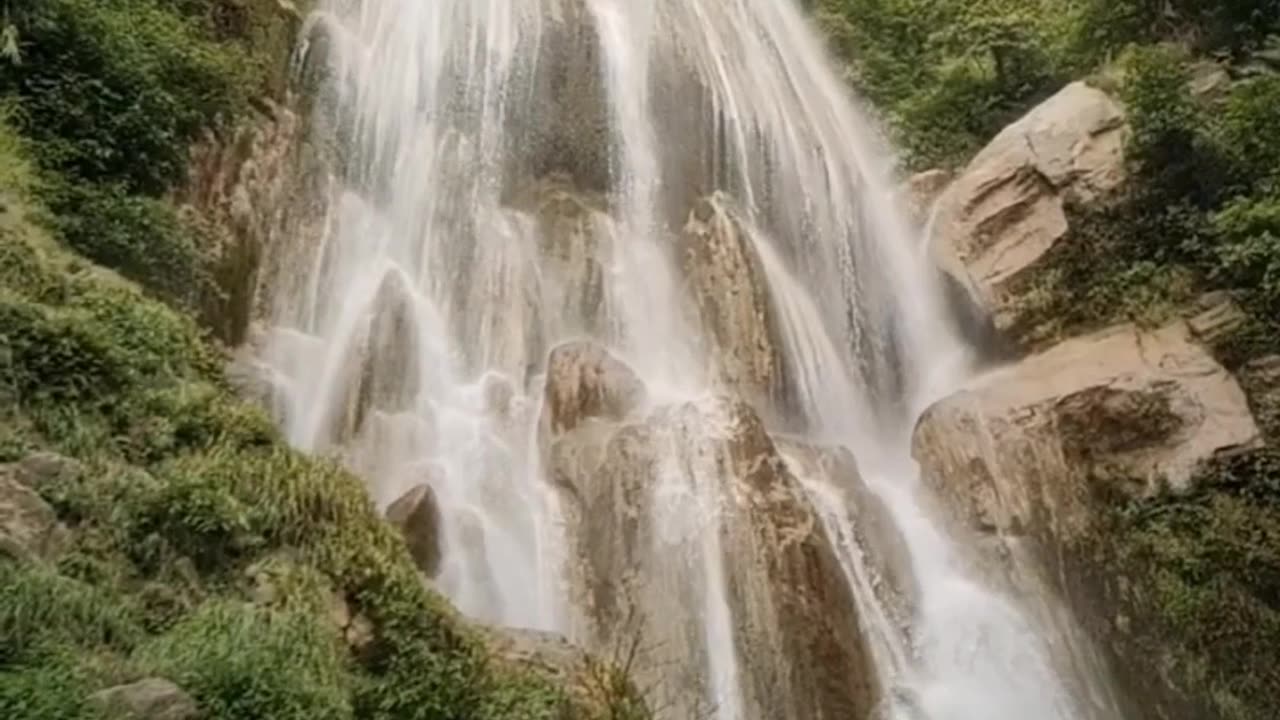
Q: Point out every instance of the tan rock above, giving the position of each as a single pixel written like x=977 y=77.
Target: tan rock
x=922 y=190
x=29 y=528
x=586 y=381
x=642 y=497
x=416 y=515
x=728 y=284
x=1007 y=209
x=1032 y=448
x=150 y=699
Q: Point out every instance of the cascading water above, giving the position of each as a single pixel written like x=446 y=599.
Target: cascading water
x=519 y=174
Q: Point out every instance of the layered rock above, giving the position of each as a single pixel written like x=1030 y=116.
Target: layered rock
x=1035 y=460
x=242 y=187
x=663 y=507
x=727 y=281
x=1124 y=413
x=1008 y=209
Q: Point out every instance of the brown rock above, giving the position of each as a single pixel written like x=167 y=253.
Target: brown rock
x=29 y=528
x=1122 y=413
x=586 y=381
x=150 y=699
x=1007 y=209
x=417 y=516
x=642 y=497
x=728 y=284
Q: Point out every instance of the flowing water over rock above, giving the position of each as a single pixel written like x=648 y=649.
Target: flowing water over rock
x=624 y=284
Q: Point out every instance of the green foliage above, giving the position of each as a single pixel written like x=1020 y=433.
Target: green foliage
x=43 y=613
x=143 y=238
x=245 y=663
x=1203 y=572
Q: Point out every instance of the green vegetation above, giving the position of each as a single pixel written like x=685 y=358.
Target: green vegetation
x=949 y=74
x=200 y=548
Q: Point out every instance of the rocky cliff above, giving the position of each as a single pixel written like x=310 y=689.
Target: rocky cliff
x=1084 y=466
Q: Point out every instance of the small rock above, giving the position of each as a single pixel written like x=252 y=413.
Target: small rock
x=360 y=635
x=150 y=699
x=586 y=381
x=29 y=528
x=417 y=516
x=40 y=470
x=1216 y=317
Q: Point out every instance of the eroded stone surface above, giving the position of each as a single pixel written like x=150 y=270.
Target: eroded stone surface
x=1121 y=413
x=416 y=515
x=29 y=528
x=1007 y=210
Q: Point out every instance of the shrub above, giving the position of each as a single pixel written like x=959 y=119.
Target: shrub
x=246 y=663
x=114 y=90
x=145 y=239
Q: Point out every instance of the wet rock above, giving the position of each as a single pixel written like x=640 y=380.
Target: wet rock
x=586 y=381
x=879 y=541
x=150 y=699
x=29 y=528
x=1215 y=317
x=727 y=281
x=1125 y=413
x=644 y=499
x=923 y=189
x=416 y=515
x=572 y=238
x=1007 y=209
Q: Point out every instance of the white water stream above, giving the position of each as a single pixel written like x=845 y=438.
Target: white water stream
x=413 y=336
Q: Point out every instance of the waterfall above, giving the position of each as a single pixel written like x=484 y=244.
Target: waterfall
x=688 y=187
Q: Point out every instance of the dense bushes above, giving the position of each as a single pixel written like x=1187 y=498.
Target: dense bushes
x=948 y=74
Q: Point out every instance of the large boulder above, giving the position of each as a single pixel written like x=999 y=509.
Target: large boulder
x=662 y=506
x=1036 y=463
x=1007 y=210
x=1123 y=413
x=150 y=699
x=29 y=528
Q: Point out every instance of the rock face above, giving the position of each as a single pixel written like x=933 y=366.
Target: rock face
x=639 y=492
x=585 y=381
x=417 y=516
x=1122 y=413
x=29 y=529
x=150 y=699
x=1033 y=460
x=241 y=186
x=1007 y=210
x=727 y=282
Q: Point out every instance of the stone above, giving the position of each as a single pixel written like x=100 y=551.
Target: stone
x=1125 y=413
x=642 y=496
x=416 y=514
x=149 y=699
x=922 y=190
x=1215 y=316
x=1007 y=210
x=45 y=469
x=29 y=527
x=727 y=282
x=586 y=381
